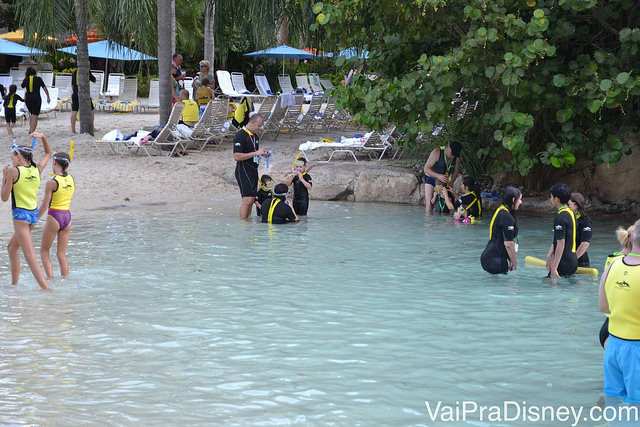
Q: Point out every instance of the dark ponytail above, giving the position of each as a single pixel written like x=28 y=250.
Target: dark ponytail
x=578 y=199
x=63 y=160
x=472 y=184
x=511 y=196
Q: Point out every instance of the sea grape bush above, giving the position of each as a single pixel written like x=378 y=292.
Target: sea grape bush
x=557 y=80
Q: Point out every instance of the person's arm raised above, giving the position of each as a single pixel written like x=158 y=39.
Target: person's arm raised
x=47 y=150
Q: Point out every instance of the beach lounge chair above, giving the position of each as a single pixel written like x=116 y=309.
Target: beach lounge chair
x=273 y=123
x=5 y=80
x=237 y=79
x=128 y=98
x=17 y=75
x=291 y=117
x=370 y=143
x=303 y=82
x=154 y=94
x=52 y=105
x=63 y=84
x=96 y=88
x=226 y=86
x=326 y=83
x=200 y=135
x=220 y=122
x=284 y=80
x=167 y=141
x=266 y=106
x=113 y=85
x=313 y=116
x=263 y=85
x=314 y=81
x=47 y=78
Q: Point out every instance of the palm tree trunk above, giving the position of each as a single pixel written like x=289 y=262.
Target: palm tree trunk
x=209 y=21
x=84 y=92
x=164 y=58
x=173 y=27
x=282 y=31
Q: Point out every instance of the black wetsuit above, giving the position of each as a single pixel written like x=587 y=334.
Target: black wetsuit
x=75 y=103
x=32 y=94
x=563 y=228
x=246 y=170
x=282 y=213
x=10 y=107
x=494 y=258
x=261 y=196
x=584 y=234
x=301 y=194
x=469 y=204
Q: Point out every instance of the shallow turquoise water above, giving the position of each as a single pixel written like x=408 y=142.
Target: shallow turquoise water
x=357 y=316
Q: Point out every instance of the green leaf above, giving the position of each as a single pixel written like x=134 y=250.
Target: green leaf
x=490 y=71
x=538 y=13
x=564 y=115
x=594 y=105
x=569 y=158
x=559 y=80
x=605 y=85
x=508 y=56
x=622 y=78
x=497 y=135
x=520 y=118
x=317 y=8
x=481 y=32
x=624 y=34
x=556 y=162
x=322 y=19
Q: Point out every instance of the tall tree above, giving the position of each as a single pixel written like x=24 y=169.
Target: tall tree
x=84 y=91
x=164 y=58
x=172 y=12
x=209 y=35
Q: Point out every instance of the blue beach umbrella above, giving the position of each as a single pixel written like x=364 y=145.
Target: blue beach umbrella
x=283 y=52
x=351 y=52
x=15 y=49
x=110 y=50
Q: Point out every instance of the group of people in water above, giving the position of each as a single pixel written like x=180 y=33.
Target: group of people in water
x=21 y=181
x=270 y=199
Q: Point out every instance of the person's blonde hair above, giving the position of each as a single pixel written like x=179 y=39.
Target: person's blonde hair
x=205 y=63
x=625 y=237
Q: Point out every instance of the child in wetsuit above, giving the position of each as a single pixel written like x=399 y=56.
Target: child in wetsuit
x=10 y=101
x=204 y=94
x=302 y=183
x=439 y=201
x=264 y=192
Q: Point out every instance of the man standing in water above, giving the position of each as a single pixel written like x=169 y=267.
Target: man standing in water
x=247 y=153
x=561 y=259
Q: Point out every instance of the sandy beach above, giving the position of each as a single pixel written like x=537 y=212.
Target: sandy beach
x=105 y=180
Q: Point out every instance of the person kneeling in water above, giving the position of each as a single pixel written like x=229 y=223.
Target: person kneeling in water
x=469 y=205
x=277 y=209
x=503 y=234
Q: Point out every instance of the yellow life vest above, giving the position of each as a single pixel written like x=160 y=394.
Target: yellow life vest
x=614 y=256
x=31 y=84
x=272 y=208
x=495 y=214
x=11 y=99
x=573 y=220
x=203 y=95
x=61 y=197
x=623 y=293
x=475 y=200
x=25 y=189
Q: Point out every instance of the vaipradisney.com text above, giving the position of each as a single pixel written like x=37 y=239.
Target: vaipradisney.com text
x=510 y=410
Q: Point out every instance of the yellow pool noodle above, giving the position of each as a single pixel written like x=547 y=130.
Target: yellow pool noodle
x=541 y=263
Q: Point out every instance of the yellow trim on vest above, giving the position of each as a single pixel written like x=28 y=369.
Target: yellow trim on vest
x=495 y=214
x=25 y=189
x=10 y=104
x=573 y=220
x=274 y=202
x=623 y=291
x=476 y=200
x=61 y=198
x=31 y=84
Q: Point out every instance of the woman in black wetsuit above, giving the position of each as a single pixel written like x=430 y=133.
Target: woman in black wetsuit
x=469 y=205
x=32 y=84
x=499 y=256
x=584 y=230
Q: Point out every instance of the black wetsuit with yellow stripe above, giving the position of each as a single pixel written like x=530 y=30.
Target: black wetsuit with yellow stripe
x=503 y=228
x=564 y=227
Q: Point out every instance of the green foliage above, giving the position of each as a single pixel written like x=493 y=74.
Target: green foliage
x=555 y=80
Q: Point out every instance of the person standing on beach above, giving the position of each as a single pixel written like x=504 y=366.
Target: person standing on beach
x=177 y=61
x=75 y=103
x=442 y=167
x=247 y=153
x=32 y=84
x=562 y=259
x=21 y=180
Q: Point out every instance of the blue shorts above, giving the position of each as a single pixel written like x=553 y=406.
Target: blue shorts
x=26 y=215
x=429 y=180
x=622 y=369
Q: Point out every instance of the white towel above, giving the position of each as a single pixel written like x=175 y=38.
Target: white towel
x=287 y=100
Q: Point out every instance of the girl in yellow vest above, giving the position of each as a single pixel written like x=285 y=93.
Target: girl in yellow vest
x=10 y=101
x=57 y=198
x=21 y=180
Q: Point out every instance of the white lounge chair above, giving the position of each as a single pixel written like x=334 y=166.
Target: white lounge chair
x=314 y=81
x=326 y=83
x=114 y=82
x=154 y=94
x=237 y=79
x=263 y=85
x=285 y=83
x=17 y=75
x=63 y=83
x=370 y=143
x=226 y=86
x=128 y=99
x=47 y=78
x=5 y=80
x=200 y=134
x=96 y=88
x=52 y=105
